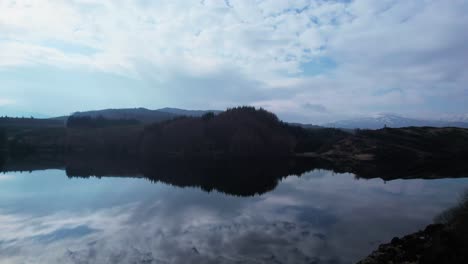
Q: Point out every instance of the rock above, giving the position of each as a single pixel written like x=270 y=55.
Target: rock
x=436 y=244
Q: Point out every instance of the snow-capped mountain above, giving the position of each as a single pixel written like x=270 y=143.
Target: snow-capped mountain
x=456 y=118
x=392 y=120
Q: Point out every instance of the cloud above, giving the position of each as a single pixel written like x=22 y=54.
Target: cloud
x=315 y=107
x=6 y=177
x=5 y=101
x=318 y=52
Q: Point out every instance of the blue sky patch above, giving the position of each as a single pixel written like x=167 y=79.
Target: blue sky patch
x=318 y=66
x=68 y=47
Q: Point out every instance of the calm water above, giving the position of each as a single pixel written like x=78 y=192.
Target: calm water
x=320 y=217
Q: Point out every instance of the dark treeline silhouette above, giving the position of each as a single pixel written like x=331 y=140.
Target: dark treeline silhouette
x=98 y=122
x=29 y=122
x=32 y=162
x=3 y=139
x=392 y=169
x=27 y=140
x=85 y=165
x=3 y=146
x=237 y=132
x=103 y=135
x=2 y=160
x=24 y=136
x=240 y=177
x=234 y=177
x=315 y=139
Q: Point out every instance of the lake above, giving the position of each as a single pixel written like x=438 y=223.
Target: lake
x=319 y=217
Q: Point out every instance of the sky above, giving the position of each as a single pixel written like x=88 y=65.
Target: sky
x=310 y=61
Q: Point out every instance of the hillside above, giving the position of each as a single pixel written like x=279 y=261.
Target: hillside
x=420 y=143
x=401 y=153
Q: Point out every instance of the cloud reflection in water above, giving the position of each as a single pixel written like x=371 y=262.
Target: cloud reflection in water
x=320 y=217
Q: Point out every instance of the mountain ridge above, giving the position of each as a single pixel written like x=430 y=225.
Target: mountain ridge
x=143 y=114
x=392 y=120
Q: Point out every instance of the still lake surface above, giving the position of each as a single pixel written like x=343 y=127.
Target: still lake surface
x=320 y=217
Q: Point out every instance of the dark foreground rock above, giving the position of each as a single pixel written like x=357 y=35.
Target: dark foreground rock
x=437 y=243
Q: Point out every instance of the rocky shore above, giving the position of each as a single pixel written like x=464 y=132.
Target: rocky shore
x=437 y=243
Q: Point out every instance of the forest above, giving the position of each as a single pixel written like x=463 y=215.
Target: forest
x=3 y=144
x=3 y=139
x=237 y=132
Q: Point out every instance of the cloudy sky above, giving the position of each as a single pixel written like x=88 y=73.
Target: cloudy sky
x=309 y=61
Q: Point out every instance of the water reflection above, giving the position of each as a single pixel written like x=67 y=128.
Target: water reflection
x=319 y=217
x=240 y=177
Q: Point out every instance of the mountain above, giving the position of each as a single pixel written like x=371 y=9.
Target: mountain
x=142 y=114
x=392 y=120
x=456 y=118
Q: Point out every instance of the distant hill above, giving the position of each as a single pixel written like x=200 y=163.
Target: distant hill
x=142 y=114
x=184 y=112
x=306 y=126
x=391 y=120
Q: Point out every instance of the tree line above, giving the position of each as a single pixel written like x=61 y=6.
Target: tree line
x=236 y=132
x=98 y=122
